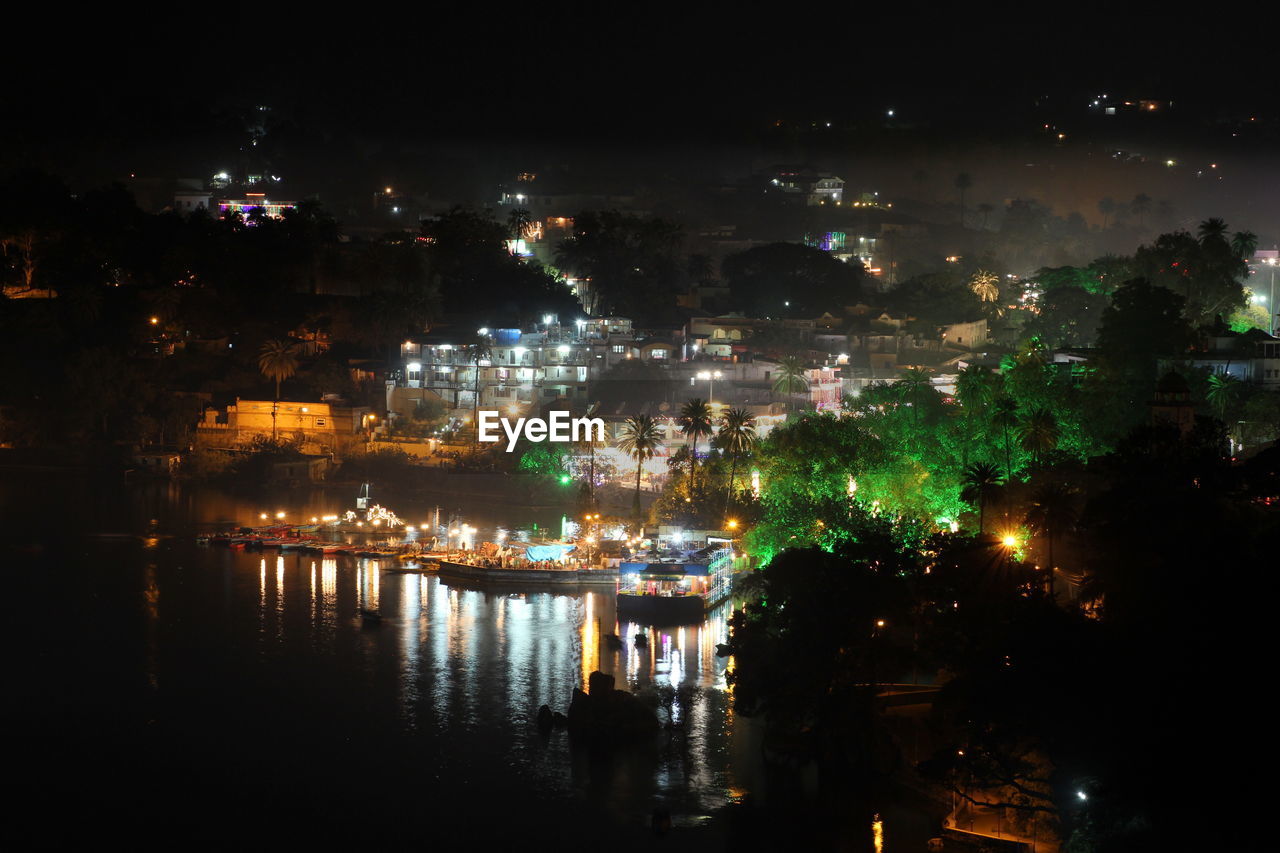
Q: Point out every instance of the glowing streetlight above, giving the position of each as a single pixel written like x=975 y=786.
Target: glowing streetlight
x=710 y=376
x=1010 y=541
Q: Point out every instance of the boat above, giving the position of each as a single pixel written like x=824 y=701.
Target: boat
x=674 y=590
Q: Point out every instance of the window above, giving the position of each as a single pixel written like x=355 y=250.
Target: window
x=619 y=348
x=320 y=422
x=658 y=354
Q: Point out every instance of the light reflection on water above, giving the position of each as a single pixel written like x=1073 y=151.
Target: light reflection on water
x=440 y=698
x=467 y=659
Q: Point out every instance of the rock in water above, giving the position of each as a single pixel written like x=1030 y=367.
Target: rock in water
x=607 y=715
x=545 y=719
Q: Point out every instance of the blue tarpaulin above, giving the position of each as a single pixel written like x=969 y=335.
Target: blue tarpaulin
x=547 y=552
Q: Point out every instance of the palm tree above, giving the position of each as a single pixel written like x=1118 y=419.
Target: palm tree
x=278 y=360
x=1244 y=244
x=640 y=439
x=963 y=182
x=914 y=380
x=982 y=482
x=791 y=376
x=1052 y=512
x=1107 y=207
x=695 y=422
x=1039 y=433
x=1141 y=205
x=1005 y=417
x=985 y=285
x=737 y=436
x=1212 y=229
x=518 y=223
x=478 y=353
x=974 y=390
x=1223 y=389
x=986 y=210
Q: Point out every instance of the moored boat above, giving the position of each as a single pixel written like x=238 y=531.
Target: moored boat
x=673 y=591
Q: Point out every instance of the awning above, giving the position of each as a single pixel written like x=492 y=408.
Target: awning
x=538 y=553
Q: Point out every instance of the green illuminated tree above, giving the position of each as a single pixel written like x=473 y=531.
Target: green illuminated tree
x=975 y=389
x=1005 y=417
x=1039 y=433
x=911 y=388
x=1223 y=391
x=982 y=482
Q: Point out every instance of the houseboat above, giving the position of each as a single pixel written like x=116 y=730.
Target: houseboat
x=674 y=590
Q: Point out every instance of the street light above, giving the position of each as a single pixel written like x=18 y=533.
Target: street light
x=711 y=376
x=594 y=520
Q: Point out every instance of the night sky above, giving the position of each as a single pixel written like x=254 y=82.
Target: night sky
x=453 y=107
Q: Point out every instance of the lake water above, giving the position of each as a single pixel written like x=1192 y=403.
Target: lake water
x=167 y=693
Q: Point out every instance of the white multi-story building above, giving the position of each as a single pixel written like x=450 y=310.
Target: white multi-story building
x=513 y=370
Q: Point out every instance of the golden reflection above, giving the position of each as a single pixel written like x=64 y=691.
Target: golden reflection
x=410 y=644
x=877 y=834
x=590 y=632
x=329 y=582
x=151 y=598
